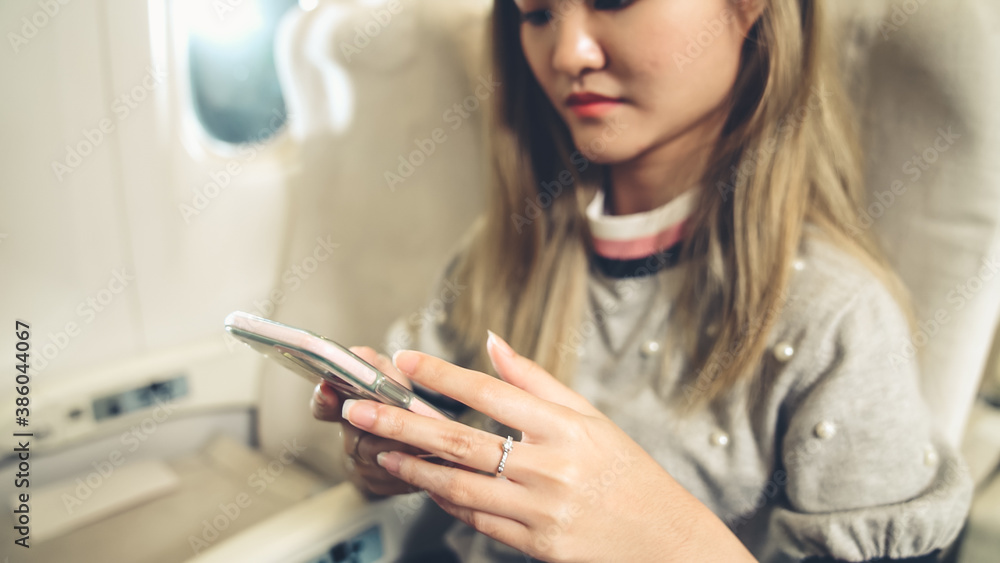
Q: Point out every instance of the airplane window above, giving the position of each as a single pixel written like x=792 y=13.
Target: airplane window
x=234 y=84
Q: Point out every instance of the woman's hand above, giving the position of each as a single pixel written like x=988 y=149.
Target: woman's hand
x=576 y=487
x=362 y=448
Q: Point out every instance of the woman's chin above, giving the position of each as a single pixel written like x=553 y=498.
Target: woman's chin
x=602 y=149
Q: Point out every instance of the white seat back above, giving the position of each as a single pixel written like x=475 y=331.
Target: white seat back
x=926 y=78
x=390 y=176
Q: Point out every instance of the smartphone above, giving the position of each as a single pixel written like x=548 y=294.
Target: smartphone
x=315 y=357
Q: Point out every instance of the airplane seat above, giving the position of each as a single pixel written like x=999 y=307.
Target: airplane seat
x=388 y=176
x=921 y=73
x=923 y=76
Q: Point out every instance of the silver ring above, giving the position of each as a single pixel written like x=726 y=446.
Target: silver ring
x=507 y=446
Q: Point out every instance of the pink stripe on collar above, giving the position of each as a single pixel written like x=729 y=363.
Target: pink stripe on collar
x=638 y=235
x=640 y=247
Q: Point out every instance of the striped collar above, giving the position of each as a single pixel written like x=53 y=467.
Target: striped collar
x=639 y=244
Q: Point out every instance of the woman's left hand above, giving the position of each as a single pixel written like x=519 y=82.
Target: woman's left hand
x=577 y=488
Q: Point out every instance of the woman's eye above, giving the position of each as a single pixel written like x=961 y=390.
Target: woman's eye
x=538 y=17
x=542 y=17
x=611 y=4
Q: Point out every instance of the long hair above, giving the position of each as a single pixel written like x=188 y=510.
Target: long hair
x=788 y=156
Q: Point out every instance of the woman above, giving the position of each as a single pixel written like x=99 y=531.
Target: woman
x=669 y=233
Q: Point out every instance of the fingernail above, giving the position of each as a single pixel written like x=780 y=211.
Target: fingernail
x=404 y=361
x=494 y=341
x=491 y=345
x=389 y=460
x=359 y=413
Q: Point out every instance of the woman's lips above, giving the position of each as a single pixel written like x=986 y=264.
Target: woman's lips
x=595 y=109
x=588 y=104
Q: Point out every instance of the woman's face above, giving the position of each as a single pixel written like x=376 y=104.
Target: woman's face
x=670 y=64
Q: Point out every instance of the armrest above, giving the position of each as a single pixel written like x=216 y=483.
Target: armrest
x=338 y=521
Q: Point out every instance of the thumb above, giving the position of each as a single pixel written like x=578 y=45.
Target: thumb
x=523 y=373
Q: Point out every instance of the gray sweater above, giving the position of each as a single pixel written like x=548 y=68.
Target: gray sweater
x=835 y=457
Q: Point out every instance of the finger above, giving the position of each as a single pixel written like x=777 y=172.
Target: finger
x=449 y=440
x=500 y=497
x=497 y=399
x=363 y=447
x=523 y=373
x=371 y=445
x=325 y=403
x=510 y=532
x=375 y=479
x=381 y=362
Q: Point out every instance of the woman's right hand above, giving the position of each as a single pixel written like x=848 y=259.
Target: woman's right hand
x=360 y=447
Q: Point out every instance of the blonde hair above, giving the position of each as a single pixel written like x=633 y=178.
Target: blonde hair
x=790 y=141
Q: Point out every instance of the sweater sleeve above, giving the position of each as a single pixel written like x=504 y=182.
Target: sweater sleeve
x=867 y=477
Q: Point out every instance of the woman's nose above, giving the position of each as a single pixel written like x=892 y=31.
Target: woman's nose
x=577 y=48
